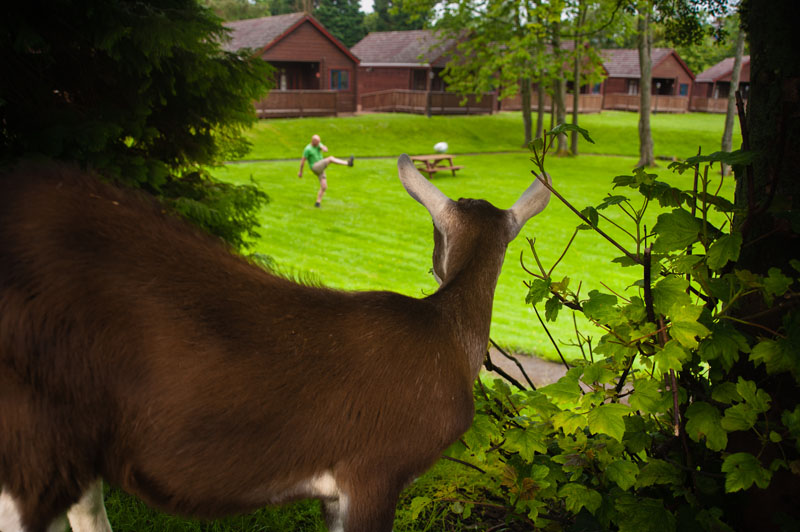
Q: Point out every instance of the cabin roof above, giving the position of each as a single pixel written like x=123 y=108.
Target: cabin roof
x=722 y=69
x=401 y=48
x=624 y=62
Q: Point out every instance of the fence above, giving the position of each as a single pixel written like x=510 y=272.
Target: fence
x=658 y=103
x=587 y=103
x=298 y=103
x=709 y=105
x=421 y=102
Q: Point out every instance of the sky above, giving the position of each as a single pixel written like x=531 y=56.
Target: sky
x=366 y=6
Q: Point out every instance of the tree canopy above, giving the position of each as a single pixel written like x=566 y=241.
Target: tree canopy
x=141 y=92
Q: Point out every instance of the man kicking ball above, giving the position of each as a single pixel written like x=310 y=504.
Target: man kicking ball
x=313 y=154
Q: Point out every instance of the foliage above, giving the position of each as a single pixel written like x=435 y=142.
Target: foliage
x=673 y=403
x=390 y=15
x=141 y=92
x=343 y=18
x=238 y=9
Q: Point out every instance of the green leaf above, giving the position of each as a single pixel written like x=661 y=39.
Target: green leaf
x=608 y=419
x=724 y=249
x=623 y=473
x=725 y=392
x=658 y=472
x=597 y=372
x=755 y=397
x=566 y=389
x=672 y=356
x=640 y=514
x=526 y=442
x=775 y=283
x=538 y=290
x=704 y=421
x=739 y=417
x=684 y=326
x=563 y=128
x=601 y=307
x=418 y=504
x=551 y=308
x=590 y=213
x=577 y=496
x=724 y=343
x=569 y=421
x=742 y=470
x=676 y=231
x=646 y=396
x=670 y=291
x=685 y=263
x=774 y=355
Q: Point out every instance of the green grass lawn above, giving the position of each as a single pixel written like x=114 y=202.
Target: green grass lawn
x=615 y=133
x=370 y=235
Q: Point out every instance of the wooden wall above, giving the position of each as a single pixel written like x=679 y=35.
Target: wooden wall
x=373 y=79
x=307 y=43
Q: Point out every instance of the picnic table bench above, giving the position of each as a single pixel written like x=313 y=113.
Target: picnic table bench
x=430 y=164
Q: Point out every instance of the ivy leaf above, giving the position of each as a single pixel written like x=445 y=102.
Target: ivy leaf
x=755 y=397
x=725 y=248
x=526 y=442
x=676 y=231
x=623 y=472
x=658 y=472
x=538 y=290
x=480 y=434
x=418 y=504
x=672 y=356
x=775 y=283
x=724 y=343
x=742 y=470
x=597 y=372
x=704 y=421
x=577 y=496
x=608 y=419
x=684 y=327
x=601 y=307
x=670 y=291
x=646 y=396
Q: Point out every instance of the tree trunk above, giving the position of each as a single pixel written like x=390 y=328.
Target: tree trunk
x=646 y=157
x=539 y=109
x=730 y=116
x=769 y=195
x=576 y=74
x=525 y=93
x=561 y=88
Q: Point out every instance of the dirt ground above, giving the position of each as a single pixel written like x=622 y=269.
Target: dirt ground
x=541 y=372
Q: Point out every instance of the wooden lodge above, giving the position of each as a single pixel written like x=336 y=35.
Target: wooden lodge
x=671 y=83
x=712 y=86
x=315 y=74
x=400 y=71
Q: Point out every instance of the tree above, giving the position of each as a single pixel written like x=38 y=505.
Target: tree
x=238 y=9
x=646 y=157
x=343 y=18
x=730 y=115
x=139 y=91
x=389 y=15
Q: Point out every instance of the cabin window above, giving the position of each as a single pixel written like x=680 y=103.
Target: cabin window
x=633 y=86
x=684 y=89
x=340 y=80
x=596 y=88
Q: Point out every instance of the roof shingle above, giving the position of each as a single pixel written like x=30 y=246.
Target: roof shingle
x=401 y=47
x=624 y=63
x=257 y=33
x=720 y=70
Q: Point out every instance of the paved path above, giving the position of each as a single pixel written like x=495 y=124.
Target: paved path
x=541 y=372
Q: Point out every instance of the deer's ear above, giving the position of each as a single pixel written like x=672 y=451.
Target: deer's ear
x=532 y=202
x=421 y=189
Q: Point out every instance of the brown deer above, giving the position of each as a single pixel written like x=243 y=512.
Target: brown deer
x=136 y=349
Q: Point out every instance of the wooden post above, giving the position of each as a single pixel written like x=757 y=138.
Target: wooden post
x=428 y=83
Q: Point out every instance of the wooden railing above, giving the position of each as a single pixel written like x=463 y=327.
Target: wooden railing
x=297 y=103
x=419 y=102
x=587 y=103
x=709 y=105
x=658 y=103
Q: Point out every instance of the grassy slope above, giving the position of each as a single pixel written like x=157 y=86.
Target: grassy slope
x=390 y=134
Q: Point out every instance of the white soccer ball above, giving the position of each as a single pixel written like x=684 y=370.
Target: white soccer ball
x=440 y=147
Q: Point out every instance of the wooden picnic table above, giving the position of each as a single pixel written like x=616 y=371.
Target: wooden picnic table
x=435 y=163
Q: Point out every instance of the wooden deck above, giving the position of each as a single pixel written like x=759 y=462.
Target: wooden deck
x=298 y=103
x=422 y=102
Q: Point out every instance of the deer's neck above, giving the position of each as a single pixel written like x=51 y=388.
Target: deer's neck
x=466 y=305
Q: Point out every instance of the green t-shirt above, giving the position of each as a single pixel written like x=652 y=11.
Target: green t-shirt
x=312 y=154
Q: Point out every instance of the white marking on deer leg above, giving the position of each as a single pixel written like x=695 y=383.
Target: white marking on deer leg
x=89 y=513
x=336 y=513
x=10 y=516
